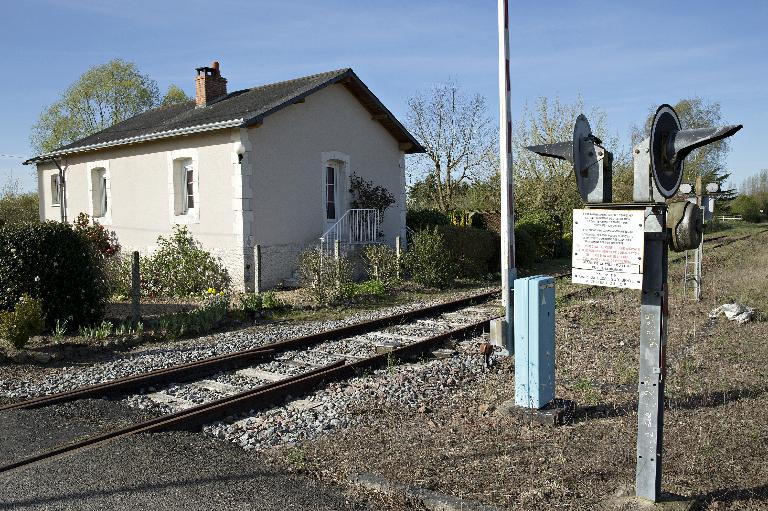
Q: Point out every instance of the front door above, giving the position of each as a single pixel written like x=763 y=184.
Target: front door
x=332 y=209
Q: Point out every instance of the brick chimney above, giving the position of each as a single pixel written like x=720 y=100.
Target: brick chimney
x=209 y=85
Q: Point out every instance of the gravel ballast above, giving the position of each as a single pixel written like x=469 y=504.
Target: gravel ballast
x=162 y=355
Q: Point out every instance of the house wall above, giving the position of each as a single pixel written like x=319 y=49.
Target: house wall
x=140 y=196
x=273 y=198
x=287 y=174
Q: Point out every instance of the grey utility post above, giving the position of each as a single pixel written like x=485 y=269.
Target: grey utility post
x=658 y=171
x=653 y=343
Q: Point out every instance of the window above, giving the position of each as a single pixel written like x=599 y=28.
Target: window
x=184 y=186
x=55 y=190
x=190 y=188
x=99 y=192
x=330 y=193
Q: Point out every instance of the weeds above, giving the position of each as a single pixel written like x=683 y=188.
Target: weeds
x=588 y=391
x=101 y=331
x=60 y=329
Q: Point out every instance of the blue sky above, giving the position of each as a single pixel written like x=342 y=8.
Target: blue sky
x=622 y=57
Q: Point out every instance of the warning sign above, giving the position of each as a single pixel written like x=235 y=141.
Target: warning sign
x=608 y=247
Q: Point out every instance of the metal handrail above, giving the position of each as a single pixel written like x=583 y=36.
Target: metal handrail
x=355 y=227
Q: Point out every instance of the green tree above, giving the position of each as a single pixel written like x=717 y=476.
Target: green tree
x=102 y=96
x=459 y=139
x=174 y=95
x=547 y=186
x=18 y=208
x=747 y=207
x=708 y=161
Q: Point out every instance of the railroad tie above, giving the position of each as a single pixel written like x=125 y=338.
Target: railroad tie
x=258 y=374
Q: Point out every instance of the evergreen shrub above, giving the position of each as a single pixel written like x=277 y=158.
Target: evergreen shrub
x=428 y=261
x=21 y=323
x=474 y=252
x=57 y=265
x=420 y=219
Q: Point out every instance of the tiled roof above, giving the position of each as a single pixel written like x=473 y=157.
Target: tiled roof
x=242 y=108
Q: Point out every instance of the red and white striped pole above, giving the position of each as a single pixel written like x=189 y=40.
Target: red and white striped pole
x=508 y=266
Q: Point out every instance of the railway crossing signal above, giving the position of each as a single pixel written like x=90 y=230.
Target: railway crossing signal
x=608 y=251
x=704 y=197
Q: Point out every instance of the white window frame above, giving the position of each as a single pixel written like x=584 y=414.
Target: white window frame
x=105 y=187
x=55 y=188
x=340 y=161
x=177 y=187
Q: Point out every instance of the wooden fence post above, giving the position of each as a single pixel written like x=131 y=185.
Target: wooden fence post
x=135 y=290
x=257 y=270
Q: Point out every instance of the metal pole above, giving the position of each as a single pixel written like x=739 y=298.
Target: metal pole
x=508 y=267
x=697 y=254
x=135 y=290
x=653 y=341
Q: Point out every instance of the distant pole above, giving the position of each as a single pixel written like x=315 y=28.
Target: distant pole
x=397 y=256
x=508 y=266
x=135 y=289
x=698 y=252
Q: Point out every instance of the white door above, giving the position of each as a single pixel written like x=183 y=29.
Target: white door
x=332 y=206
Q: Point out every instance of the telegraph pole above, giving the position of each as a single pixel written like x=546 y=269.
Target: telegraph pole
x=508 y=265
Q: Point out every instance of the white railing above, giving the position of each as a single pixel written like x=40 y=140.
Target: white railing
x=355 y=227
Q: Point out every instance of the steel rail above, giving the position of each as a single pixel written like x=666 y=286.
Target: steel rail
x=259 y=398
x=231 y=361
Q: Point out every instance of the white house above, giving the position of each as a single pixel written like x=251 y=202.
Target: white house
x=266 y=166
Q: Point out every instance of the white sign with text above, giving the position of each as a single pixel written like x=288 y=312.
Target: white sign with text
x=608 y=247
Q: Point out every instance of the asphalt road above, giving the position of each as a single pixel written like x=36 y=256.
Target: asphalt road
x=159 y=471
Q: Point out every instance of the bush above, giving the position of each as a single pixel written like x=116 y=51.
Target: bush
x=546 y=234
x=58 y=266
x=381 y=264
x=103 y=240
x=250 y=302
x=325 y=279
x=269 y=300
x=747 y=207
x=525 y=246
x=179 y=268
x=21 y=323
x=428 y=261
x=474 y=252
x=421 y=219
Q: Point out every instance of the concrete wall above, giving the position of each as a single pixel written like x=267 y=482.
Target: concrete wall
x=290 y=152
x=140 y=204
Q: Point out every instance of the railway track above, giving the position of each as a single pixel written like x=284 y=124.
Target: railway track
x=232 y=384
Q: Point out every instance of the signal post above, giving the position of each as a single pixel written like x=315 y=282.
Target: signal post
x=627 y=245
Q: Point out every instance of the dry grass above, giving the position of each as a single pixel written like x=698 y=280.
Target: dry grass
x=716 y=436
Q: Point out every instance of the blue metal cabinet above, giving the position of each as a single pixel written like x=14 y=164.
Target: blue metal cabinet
x=534 y=341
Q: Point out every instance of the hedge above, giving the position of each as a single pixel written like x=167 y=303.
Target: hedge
x=475 y=252
x=52 y=262
x=424 y=218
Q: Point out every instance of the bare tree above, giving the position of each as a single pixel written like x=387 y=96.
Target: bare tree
x=459 y=139
x=546 y=186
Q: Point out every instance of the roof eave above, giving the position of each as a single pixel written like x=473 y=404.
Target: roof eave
x=200 y=128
